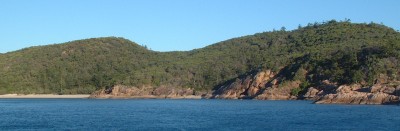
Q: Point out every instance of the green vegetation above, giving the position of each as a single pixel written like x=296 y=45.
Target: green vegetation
x=341 y=52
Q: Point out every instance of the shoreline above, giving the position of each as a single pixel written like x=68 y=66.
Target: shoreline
x=146 y=97
x=43 y=96
x=190 y=97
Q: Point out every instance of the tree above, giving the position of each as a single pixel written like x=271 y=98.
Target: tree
x=283 y=29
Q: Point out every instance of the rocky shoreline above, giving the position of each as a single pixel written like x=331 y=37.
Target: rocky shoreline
x=43 y=96
x=146 y=92
x=355 y=94
x=266 y=85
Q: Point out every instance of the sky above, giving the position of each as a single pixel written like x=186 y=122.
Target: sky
x=173 y=25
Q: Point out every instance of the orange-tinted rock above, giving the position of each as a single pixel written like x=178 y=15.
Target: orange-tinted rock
x=345 y=95
x=120 y=91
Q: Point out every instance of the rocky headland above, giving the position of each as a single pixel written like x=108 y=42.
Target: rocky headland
x=265 y=85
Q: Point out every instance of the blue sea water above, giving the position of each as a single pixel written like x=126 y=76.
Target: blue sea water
x=155 y=114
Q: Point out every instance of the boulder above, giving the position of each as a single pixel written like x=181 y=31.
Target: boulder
x=311 y=93
x=397 y=91
x=388 y=90
x=375 y=88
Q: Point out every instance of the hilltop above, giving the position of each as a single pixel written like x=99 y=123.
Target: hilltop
x=341 y=52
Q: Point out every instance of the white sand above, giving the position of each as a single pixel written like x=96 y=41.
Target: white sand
x=43 y=96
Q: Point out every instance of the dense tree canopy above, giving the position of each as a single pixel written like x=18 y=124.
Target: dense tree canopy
x=343 y=52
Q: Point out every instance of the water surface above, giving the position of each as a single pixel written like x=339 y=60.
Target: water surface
x=109 y=114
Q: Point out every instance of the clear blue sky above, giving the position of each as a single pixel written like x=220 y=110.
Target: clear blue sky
x=169 y=25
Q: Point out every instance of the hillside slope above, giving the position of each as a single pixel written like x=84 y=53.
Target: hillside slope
x=342 y=52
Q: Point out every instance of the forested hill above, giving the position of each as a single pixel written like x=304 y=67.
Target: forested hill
x=344 y=51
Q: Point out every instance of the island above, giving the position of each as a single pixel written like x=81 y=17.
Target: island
x=332 y=62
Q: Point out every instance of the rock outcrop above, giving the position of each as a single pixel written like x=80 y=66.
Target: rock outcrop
x=267 y=85
x=312 y=93
x=315 y=93
x=263 y=85
x=282 y=92
x=120 y=91
x=355 y=94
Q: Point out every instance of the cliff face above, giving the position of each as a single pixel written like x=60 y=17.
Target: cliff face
x=120 y=91
x=263 y=85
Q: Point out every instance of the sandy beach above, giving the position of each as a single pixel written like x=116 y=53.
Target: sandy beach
x=52 y=96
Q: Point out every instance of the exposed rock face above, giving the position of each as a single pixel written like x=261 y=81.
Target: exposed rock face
x=355 y=94
x=397 y=91
x=279 y=92
x=312 y=93
x=247 y=87
x=120 y=91
x=262 y=85
x=267 y=85
x=315 y=93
